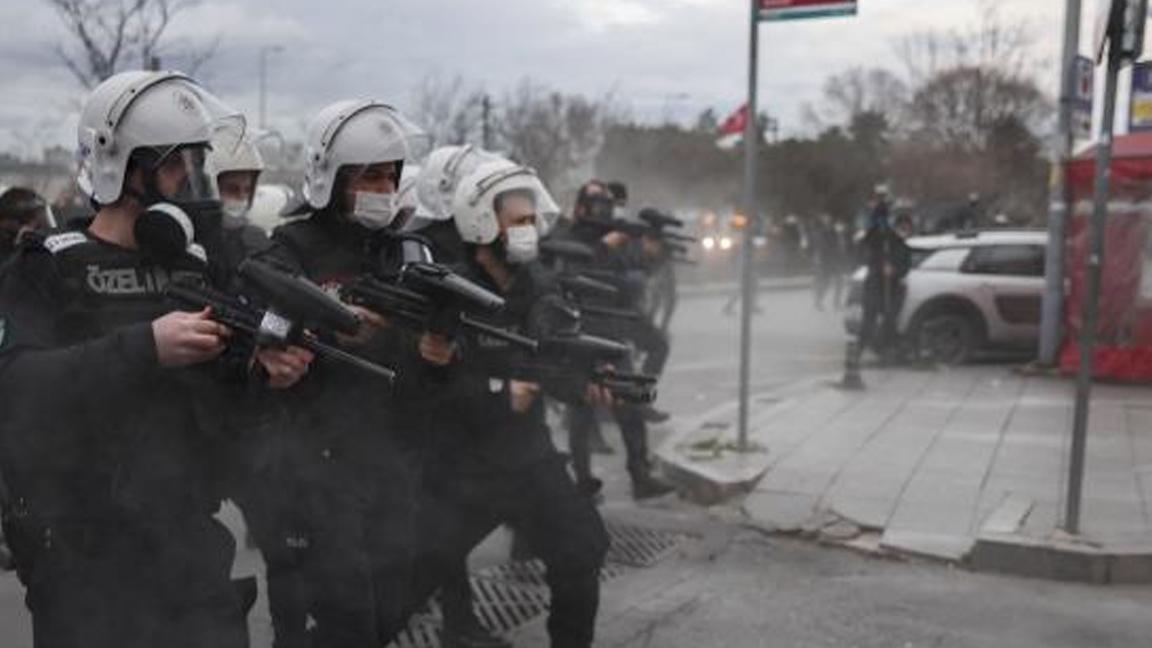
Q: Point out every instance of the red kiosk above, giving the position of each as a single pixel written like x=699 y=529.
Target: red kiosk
x=1124 y=346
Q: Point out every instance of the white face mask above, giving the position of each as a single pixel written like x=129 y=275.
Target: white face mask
x=523 y=244
x=374 y=210
x=235 y=212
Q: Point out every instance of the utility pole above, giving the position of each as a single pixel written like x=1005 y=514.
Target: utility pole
x=1060 y=207
x=1124 y=38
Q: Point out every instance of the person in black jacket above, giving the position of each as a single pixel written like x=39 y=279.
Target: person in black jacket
x=496 y=461
x=594 y=206
x=888 y=260
x=355 y=453
x=115 y=412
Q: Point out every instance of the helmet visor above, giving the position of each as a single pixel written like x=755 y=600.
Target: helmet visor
x=181 y=175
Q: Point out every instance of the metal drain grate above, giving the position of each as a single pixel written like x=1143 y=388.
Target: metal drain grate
x=640 y=547
x=513 y=594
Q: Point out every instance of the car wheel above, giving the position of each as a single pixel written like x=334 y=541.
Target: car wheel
x=947 y=338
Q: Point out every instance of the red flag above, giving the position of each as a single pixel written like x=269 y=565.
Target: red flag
x=732 y=130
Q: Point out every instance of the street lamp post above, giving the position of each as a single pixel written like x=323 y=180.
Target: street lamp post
x=264 y=51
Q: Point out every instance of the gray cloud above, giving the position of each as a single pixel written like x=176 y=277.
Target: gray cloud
x=657 y=56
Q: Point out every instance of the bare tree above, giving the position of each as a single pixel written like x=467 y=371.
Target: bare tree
x=856 y=91
x=450 y=111
x=559 y=135
x=993 y=43
x=111 y=35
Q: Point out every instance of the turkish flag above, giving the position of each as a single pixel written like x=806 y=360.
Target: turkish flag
x=732 y=130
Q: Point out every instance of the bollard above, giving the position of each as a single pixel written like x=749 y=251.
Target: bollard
x=852 y=378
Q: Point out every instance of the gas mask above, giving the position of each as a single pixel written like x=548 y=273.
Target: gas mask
x=171 y=225
x=165 y=232
x=523 y=244
x=599 y=208
x=373 y=210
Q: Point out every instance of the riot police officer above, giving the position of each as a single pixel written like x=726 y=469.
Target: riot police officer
x=114 y=493
x=594 y=207
x=356 y=441
x=497 y=463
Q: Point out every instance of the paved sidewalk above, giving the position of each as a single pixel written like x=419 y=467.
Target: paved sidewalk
x=964 y=464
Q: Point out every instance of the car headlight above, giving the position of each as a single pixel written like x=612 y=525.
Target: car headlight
x=726 y=243
x=708 y=242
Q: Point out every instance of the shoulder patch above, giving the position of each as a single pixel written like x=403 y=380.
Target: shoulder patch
x=57 y=243
x=3 y=331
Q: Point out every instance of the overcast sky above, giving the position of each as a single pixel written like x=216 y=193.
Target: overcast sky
x=659 y=57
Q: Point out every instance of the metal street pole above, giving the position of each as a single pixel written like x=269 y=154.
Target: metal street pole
x=1060 y=197
x=1091 y=304
x=751 y=223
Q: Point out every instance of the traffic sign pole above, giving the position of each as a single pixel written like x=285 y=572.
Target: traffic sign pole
x=747 y=275
x=1060 y=198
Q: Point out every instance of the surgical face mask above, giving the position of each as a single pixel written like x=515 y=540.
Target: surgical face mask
x=374 y=210
x=235 y=212
x=523 y=244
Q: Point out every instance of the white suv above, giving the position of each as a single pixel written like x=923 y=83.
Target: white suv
x=967 y=292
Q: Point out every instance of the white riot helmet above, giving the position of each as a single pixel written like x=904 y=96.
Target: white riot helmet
x=448 y=165
x=355 y=133
x=442 y=173
x=158 y=114
x=244 y=156
x=474 y=206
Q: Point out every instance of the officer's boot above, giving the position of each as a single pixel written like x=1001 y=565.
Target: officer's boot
x=635 y=433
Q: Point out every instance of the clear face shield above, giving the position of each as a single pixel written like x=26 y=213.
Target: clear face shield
x=179 y=172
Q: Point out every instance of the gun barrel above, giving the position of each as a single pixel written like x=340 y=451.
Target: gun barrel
x=610 y=313
x=569 y=250
x=444 y=283
x=584 y=285
x=323 y=350
x=500 y=333
x=298 y=299
x=225 y=309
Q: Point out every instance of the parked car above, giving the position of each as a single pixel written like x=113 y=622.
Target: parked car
x=967 y=293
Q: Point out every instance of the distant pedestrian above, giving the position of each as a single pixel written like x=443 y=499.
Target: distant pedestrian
x=831 y=258
x=888 y=260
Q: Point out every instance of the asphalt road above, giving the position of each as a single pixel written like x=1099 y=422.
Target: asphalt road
x=791 y=341
x=750 y=591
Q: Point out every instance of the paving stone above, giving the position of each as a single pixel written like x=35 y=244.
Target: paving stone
x=1009 y=515
x=865 y=512
x=940 y=546
x=785 y=512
